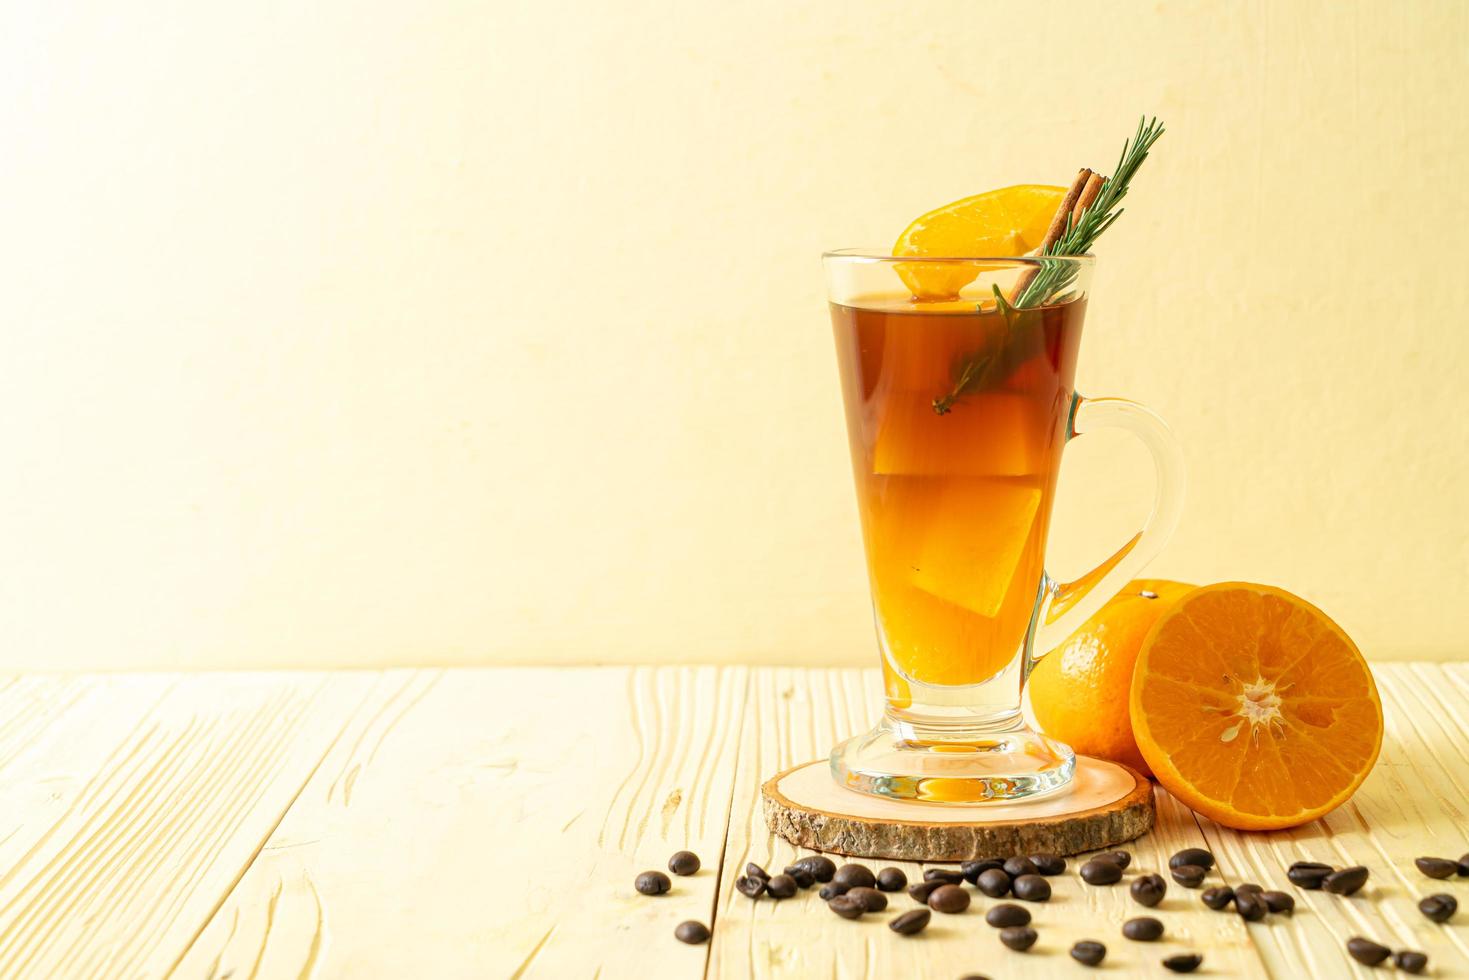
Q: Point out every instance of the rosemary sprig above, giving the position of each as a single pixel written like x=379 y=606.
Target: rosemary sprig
x=1054 y=277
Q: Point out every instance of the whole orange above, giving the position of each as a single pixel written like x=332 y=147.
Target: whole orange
x=1079 y=691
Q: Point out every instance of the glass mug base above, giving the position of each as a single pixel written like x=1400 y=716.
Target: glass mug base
x=900 y=760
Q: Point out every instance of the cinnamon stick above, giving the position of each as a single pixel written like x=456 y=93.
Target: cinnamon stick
x=1088 y=196
x=1057 y=227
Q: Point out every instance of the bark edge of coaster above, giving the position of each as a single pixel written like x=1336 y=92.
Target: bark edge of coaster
x=1108 y=804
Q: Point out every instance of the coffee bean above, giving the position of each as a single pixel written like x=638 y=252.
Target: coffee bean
x=831 y=890
x=1101 y=871
x=949 y=899
x=1007 y=914
x=652 y=883
x=1188 y=875
x=683 y=863
x=855 y=876
x=847 y=907
x=1017 y=866
x=1410 y=961
x=947 y=875
x=1439 y=908
x=974 y=976
x=1308 y=874
x=920 y=890
x=1344 y=882
x=1120 y=858
x=994 y=883
x=1018 y=938
x=1250 y=906
x=1464 y=866
x=910 y=922
x=1149 y=890
x=971 y=870
x=1248 y=886
x=892 y=880
x=691 y=932
x=801 y=875
x=753 y=887
x=754 y=870
x=781 y=886
x=1183 y=962
x=822 y=868
x=1366 y=952
x=1192 y=855
x=1279 y=902
x=1143 y=929
x=1437 y=867
x=1031 y=888
x=1088 y=952
x=871 y=899
x=1218 y=898
x=1048 y=864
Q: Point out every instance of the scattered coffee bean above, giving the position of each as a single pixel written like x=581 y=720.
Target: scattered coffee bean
x=1188 y=875
x=1017 y=866
x=892 y=880
x=755 y=887
x=1279 y=902
x=691 y=932
x=1048 y=864
x=831 y=890
x=1410 y=961
x=755 y=871
x=1100 y=871
x=1250 y=906
x=1464 y=866
x=801 y=875
x=1308 y=874
x=1437 y=867
x=949 y=899
x=920 y=890
x=781 y=886
x=994 y=883
x=974 y=976
x=1088 y=952
x=1018 y=938
x=947 y=875
x=855 y=876
x=1366 y=952
x=1183 y=962
x=1344 y=882
x=1439 y=908
x=1149 y=890
x=1031 y=888
x=910 y=922
x=1248 y=886
x=683 y=863
x=1192 y=855
x=1218 y=898
x=1143 y=929
x=1120 y=858
x=822 y=868
x=1007 y=914
x=871 y=899
x=971 y=870
x=847 y=907
x=652 y=883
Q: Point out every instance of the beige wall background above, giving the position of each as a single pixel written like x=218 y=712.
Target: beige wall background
x=368 y=333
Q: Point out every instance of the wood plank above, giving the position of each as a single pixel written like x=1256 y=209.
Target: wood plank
x=145 y=800
x=490 y=823
x=1414 y=803
x=797 y=714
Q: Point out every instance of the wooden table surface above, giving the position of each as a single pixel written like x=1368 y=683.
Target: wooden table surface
x=489 y=823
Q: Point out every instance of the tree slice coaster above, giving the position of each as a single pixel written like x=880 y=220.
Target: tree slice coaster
x=1106 y=805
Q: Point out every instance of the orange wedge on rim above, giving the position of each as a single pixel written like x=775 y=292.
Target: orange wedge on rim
x=1008 y=221
x=1254 y=708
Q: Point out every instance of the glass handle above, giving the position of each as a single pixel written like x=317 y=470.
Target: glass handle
x=1066 y=605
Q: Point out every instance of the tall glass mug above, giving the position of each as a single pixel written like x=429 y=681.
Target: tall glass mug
x=957 y=413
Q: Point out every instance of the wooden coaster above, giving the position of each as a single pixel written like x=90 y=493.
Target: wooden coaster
x=1106 y=805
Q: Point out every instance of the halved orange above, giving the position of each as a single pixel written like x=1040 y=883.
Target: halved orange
x=1008 y=221
x=1254 y=708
